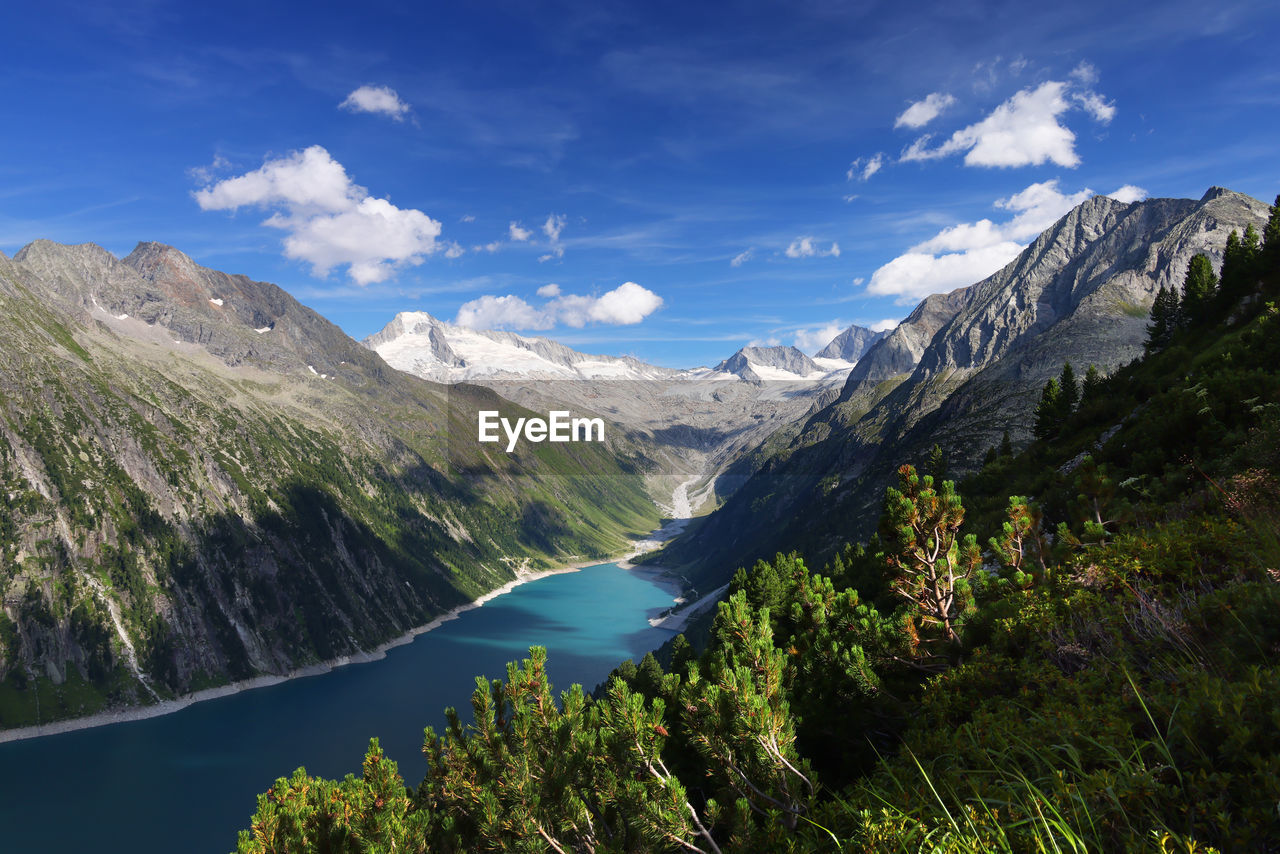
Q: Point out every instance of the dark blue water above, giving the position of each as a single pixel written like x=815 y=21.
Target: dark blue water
x=186 y=782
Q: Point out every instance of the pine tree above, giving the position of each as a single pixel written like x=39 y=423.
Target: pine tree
x=1199 y=290
x=1162 y=321
x=1235 y=273
x=1251 y=245
x=931 y=563
x=739 y=721
x=1006 y=445
x=1271 y=239
x=936 y=465
x=1092 y=384
x=1022 y=548
x=1068 y=392
x=1047 y=423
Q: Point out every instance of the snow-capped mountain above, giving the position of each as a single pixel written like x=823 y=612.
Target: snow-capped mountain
x=697 y=418
x=417 y=343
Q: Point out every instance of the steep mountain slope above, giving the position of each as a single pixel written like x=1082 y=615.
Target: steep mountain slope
x=1079 y=293
x=205 y=480
x=851 y=344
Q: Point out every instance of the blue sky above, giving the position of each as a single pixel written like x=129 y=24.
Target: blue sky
x=667 y=180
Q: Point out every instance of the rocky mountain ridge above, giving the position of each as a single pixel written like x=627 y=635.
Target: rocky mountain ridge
x=966 y=366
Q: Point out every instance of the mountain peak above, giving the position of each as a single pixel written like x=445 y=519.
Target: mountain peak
x=152 y=260
x=851 y=344
x=44 y=251
x=748 y=363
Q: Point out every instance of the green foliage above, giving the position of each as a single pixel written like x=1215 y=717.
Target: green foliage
x=372 y=813
x=1110 y=687
x=1165 y=313
x=1199 y=289
x=920 y=529
x=1048 y=411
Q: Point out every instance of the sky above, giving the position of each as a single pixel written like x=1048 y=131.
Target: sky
x=665 y=180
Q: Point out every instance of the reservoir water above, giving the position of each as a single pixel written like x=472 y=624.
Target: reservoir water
x=186 y=782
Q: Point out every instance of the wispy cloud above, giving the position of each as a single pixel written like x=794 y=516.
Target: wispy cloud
x=807 y=247
x=864 y=167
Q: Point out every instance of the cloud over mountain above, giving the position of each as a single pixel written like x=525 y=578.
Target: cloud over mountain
x=625 y=305
x=330 y=221
x=968 y=252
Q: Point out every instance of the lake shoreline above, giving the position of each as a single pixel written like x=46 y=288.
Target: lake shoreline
x=656 y=575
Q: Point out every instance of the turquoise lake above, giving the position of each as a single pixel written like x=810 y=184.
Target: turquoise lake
x=186 y=782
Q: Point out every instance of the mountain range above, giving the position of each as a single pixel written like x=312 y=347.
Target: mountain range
x=961 y=370
x=691 y=422
x=207 y=480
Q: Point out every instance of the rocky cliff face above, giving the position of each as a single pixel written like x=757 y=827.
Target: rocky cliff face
x=899 y=351
x=205 y=480
x=966 y=366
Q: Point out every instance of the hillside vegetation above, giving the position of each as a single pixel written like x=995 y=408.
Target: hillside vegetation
x=205 y=481
x=1074 y=649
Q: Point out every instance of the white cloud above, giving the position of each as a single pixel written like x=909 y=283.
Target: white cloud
x=1128 y=194
x=376 y=99
x=1085 y=74
x=771 y=341
x=625 y=305
x=921 y=113
x=1025 y=130
x=804 y=247
x=468 y=218
x=515 y=232
x=850 y=197
x=509 y=312
x=969 y=252
x=556 y=252
x=864 y=167
x=884 y=325
x=1096 y=106
x=488 y=247
x=553 y=226
x=330 y=220
x=453 y=250
x=741 y=258
x=813 y=340
x=858 y=280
